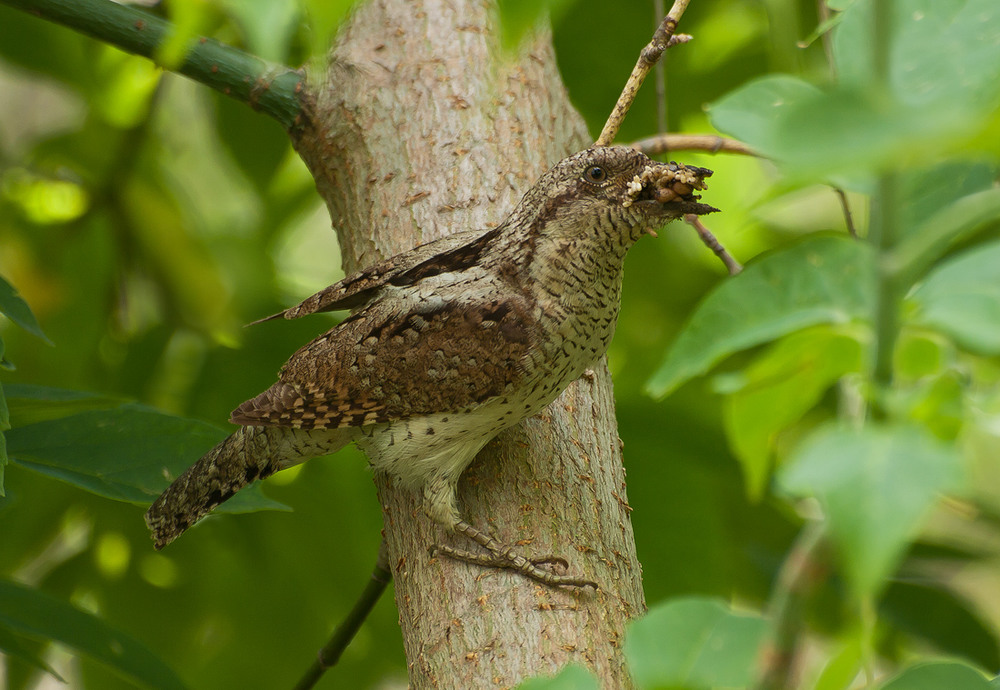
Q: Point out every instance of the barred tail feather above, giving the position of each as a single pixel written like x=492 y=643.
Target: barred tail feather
x=252 y=452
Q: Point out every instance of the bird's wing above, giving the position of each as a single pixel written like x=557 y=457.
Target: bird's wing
x=454 y=252
x=375 y=367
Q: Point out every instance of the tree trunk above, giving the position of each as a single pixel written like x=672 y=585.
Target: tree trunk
x=422 y=127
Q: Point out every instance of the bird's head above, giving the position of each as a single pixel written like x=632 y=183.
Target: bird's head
x=615 y=189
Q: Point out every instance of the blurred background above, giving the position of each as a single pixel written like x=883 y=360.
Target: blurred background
x=145 y=218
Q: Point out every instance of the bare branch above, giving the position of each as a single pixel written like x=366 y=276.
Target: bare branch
x=706 y=236
x=664 y=143
x=663 y=38
x=661 y=78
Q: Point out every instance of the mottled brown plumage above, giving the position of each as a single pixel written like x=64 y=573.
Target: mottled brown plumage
x=450 y=343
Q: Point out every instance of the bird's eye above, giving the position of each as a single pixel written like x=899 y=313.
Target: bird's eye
x=595 y=173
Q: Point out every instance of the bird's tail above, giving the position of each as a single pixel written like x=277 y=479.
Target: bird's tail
x=252 y=452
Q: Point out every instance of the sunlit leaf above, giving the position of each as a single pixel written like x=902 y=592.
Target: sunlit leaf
x=17 y=310
x=694 y=643
x=31 y=613
x=842 y=667
x=876 y=484
x=573 y=677
x=823 y=279
x=938 y=676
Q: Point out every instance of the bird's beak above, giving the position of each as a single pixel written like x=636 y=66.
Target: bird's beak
x=669 y=189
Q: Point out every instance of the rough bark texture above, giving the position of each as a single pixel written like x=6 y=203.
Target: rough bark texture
x=422 y=127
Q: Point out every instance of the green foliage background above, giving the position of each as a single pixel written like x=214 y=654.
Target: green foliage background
x=144 y=219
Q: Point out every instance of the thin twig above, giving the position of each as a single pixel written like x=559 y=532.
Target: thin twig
x=664 y=143
x=661 y=78
x=272 y=89
x=823 y=12
x=345 y=632
x=663 y=38
x=848 y=218
x=706 y=236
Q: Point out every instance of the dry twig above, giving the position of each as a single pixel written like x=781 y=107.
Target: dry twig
x=663 y=38
x=661 y=78
x=664 y=143
x=709 y=240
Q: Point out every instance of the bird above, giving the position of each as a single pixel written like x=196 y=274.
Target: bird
x=449 y=343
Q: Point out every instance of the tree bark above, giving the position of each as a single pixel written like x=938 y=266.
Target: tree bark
x=420 y=127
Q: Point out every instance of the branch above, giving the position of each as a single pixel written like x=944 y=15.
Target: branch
x=709 y=240
x=269 y=88
x=345 y=632
x=664 y=143
x=663 y=38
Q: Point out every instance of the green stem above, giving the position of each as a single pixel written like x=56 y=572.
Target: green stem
x=883 y=230
x=803 y=570
x=889 y=291
x=272 y=89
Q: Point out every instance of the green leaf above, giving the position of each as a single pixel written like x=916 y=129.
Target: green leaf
x=961 y=298
x=942 y=617
x=876 y=485
x=28 y=612
x=4 y=425
x=695 y=643
x=572 y=677
x=846 y=129
x=822 y=279
x=17 y=310
x=32 y=404
x=938 y=676
x=928 y=241
x=749 y=113
x=842 y=667
x=12 y=646
x=778 y=388
x=940 y=98
x=943 y=52
x=926 y=191
x=4 y=363
x=124 y=452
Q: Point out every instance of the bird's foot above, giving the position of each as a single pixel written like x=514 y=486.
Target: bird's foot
x=503 y=556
